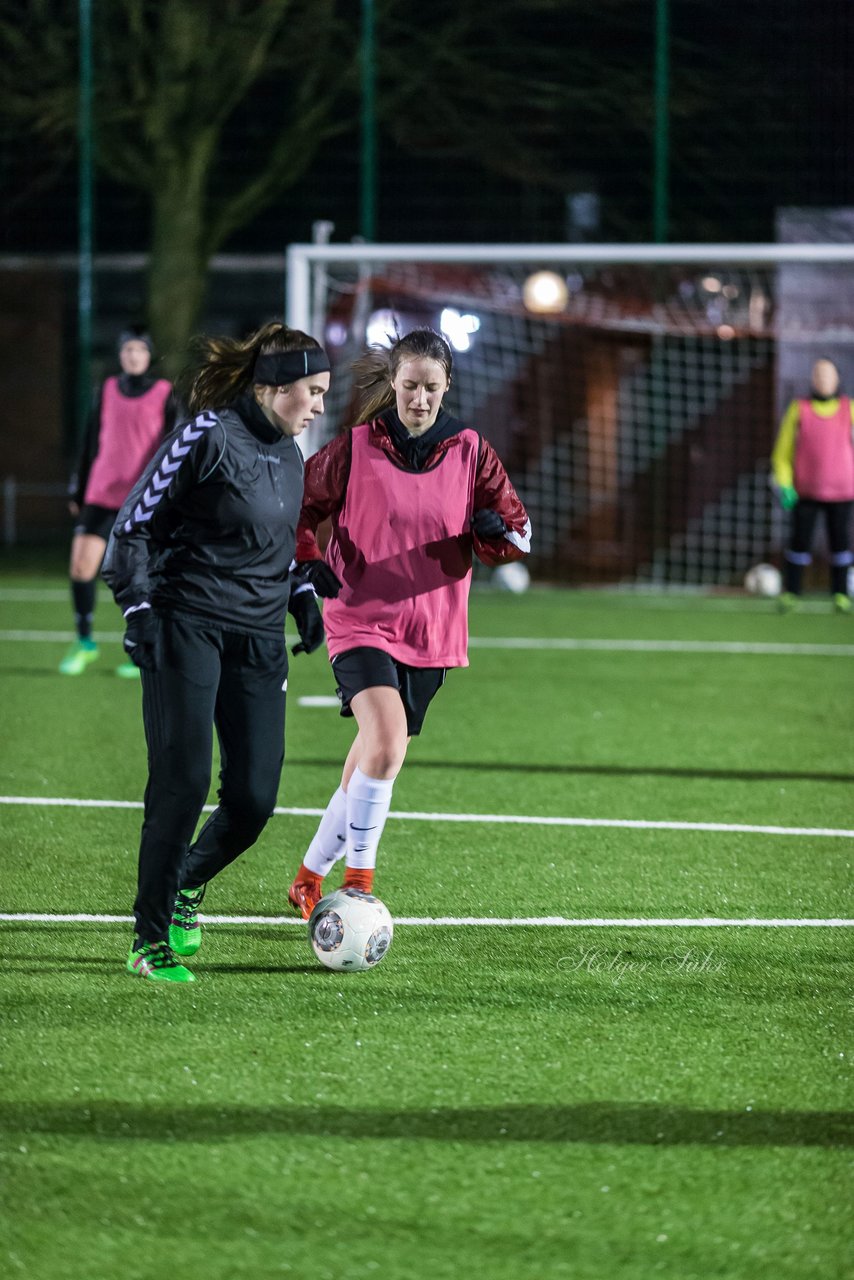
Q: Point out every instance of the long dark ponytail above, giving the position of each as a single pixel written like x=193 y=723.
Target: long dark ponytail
x=222 y=369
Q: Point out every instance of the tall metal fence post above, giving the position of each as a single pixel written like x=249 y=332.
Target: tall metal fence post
x=10 y=496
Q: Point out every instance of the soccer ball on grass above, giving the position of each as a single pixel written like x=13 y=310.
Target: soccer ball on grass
x=763 y=580
x=513 y=576
x=350 y=930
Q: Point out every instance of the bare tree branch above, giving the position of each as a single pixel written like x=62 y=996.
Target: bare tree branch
x=173 y=80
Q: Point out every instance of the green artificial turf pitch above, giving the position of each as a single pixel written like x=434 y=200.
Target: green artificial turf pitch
x=512 y=1100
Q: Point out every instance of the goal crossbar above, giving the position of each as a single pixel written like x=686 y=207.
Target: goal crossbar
x=301 y=258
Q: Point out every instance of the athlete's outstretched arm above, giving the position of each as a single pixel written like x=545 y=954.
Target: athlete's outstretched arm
x=494 y=492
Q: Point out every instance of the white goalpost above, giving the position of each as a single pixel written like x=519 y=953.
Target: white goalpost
x=634 y=391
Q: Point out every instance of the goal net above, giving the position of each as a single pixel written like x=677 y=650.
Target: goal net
x=633 y=393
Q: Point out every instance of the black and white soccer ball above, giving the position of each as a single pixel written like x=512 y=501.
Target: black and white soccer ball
x=350 y=930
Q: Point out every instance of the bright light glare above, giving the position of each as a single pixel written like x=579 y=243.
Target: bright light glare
x=458 y=328
x=545 y=291
x=336 y=333
x=381 y=328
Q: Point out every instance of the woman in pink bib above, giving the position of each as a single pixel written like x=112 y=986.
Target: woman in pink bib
x=411 y=493
x=133 y=412
x=813 y=466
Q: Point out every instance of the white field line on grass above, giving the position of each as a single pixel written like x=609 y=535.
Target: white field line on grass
x=674 y=600
x=561 y=644
x=533 y=820
x=60 y=637
x=665 y=646
x=40 y=595
x=557 y=922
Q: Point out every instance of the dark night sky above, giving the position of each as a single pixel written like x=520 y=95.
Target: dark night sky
x=762 y=116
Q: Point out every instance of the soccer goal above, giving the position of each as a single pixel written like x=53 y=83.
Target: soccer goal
x=633 y=391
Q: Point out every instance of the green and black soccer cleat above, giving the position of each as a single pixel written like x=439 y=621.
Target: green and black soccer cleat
x=81 y=653
x=185 y=932
x=156 y=962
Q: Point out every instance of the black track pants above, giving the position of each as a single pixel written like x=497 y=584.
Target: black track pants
x=206 y=677
x=804 y=518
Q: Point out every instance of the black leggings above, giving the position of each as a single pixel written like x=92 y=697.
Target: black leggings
x=206 y=677
x=838 y=520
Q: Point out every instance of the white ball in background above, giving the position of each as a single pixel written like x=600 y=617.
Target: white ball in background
x=512 y=577
x=763 y=580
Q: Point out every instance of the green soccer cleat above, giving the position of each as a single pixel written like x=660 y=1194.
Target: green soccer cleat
x=788 y=602
x=127 y=670
x=81 y=653
x=842 y=603
x=155 y=961
x=185 y=932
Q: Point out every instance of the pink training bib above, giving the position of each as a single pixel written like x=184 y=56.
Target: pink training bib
x=131 y=429
x=824 y=454
x=402 y=547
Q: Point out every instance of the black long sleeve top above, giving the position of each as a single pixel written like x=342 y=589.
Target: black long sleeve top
x=209 y=530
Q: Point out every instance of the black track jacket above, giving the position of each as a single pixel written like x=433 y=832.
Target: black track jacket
x=209 y=529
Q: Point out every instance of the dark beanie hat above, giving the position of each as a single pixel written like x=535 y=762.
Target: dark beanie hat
x=136 y=333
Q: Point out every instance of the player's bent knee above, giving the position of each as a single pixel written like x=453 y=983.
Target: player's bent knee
x=250 y=812
x=87 y=554
x=383 y=762
x=246 y=827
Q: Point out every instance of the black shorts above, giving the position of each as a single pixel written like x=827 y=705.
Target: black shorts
x=96 y=520
x=365 y=668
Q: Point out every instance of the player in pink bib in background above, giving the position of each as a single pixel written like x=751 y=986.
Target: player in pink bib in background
x=132 y=413
x=411 y=493
x=813 y=466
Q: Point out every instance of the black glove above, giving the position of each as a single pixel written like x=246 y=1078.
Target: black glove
x=488 y=524
x=303 y=609
x=140 y=642
x=317 y=572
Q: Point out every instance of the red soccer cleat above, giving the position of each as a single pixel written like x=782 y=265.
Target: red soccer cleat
x=305 y=892
x=361 y=878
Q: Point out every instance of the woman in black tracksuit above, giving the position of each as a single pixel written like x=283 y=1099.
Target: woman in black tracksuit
x=199 y=562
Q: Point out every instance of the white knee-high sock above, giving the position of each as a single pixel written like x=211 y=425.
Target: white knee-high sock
x=368 y=803
x=330 y=840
